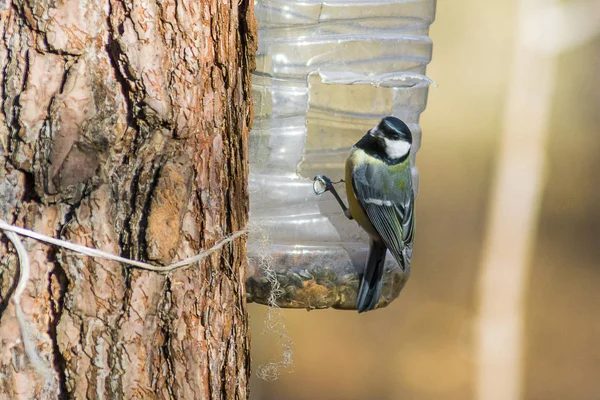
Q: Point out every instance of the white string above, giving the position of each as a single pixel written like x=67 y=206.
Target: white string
x=23 y=266
x=27 y=333
x=91 y=252
x=39 y=364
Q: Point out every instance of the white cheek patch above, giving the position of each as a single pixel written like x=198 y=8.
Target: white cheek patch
x=378 y=202
x=396 y=148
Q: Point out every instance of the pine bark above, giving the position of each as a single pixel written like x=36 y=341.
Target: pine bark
x=124 y=127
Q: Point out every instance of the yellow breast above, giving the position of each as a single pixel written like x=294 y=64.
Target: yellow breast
x=357 y=212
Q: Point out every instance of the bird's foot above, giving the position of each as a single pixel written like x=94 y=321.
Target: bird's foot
x=322 y=184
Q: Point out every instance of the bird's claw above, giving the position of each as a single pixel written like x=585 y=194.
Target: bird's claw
x=321 y=184
x=348 y=214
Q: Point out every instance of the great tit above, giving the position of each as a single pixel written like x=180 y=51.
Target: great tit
x=381 y=199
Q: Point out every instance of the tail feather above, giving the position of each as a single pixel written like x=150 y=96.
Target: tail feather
x=372 y=280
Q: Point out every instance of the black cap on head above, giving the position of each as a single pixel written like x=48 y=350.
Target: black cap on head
x=394 y=129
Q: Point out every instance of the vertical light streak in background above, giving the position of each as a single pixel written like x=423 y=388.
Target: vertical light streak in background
x=512 y=220
x=544 y=28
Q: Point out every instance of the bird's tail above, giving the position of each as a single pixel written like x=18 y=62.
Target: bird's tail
x=372 y=281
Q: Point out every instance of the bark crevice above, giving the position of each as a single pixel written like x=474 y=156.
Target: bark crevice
x=57 y=287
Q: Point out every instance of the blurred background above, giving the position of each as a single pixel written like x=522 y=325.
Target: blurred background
x=424 y=345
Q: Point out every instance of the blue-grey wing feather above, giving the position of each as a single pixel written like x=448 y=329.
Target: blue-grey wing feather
x=390 y=209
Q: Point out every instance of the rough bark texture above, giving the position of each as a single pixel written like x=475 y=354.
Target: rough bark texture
x=123 y=126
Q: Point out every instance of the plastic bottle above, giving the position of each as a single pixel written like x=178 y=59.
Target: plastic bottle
x=327 y=71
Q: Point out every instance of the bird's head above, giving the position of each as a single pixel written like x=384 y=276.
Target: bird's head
x=394 y=137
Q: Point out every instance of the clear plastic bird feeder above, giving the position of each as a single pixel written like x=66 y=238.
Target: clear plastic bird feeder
x=327 y=71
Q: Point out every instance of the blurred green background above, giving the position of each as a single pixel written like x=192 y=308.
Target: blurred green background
x=422 y=346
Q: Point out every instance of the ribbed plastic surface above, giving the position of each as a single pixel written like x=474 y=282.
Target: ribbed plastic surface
x=326 y=73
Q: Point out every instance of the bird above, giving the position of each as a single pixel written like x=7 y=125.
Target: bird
x=381 y=198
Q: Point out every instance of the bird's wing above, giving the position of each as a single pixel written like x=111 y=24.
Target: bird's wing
x=387 y=199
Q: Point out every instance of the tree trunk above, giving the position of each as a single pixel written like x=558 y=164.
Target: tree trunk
x=123 y=127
